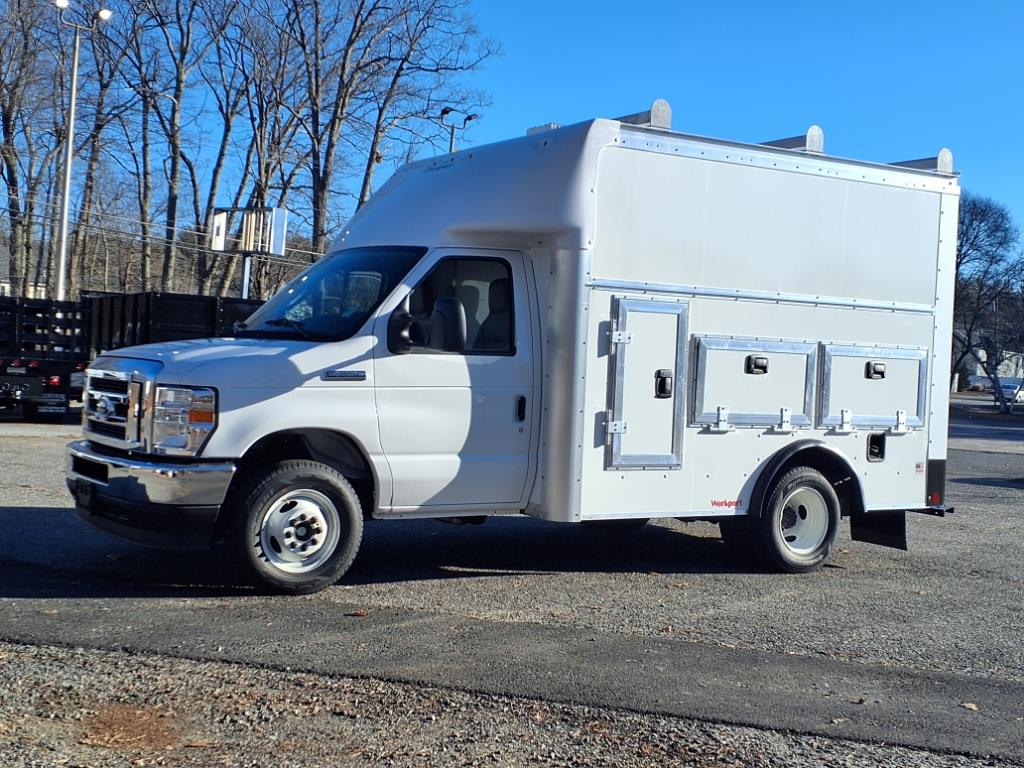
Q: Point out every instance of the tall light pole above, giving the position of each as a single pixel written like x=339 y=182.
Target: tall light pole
x=102 y=14
x=451 y=126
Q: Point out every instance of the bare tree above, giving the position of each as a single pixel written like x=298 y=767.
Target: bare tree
x=427 y=49
x=26 y=101
x=190 y=105
x=990 y=276
x=108 y=55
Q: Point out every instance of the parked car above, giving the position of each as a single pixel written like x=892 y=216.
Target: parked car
x=979 y=384
x=1013 y=391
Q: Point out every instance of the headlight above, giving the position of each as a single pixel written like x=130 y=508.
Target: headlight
x=183 y=417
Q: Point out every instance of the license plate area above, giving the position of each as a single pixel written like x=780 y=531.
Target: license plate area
x=88 y=468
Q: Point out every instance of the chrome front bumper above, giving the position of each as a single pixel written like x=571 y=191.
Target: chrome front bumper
x=175 y=506
x=131 y=480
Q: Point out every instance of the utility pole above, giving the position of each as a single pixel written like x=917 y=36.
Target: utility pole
x=102 y=14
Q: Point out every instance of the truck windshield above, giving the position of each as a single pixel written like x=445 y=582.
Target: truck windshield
x=332 y=299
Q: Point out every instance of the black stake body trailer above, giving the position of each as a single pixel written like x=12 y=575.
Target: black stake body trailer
x=45 y=345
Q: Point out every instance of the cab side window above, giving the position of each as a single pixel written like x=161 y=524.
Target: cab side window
x=484 y=288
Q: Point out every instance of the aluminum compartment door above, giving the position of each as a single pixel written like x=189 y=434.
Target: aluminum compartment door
x=762 y=382
x=873 y=387
x=645 y=427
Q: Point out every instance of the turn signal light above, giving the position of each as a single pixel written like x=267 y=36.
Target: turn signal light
x=80 y=367
x=33 y=363
x=16 y=362
x=53 y=381
x=935 y=499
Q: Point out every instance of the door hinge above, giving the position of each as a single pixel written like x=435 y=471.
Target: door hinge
x=785 y=424
x=621 y=337
x=618 y=427
x=845 y=422
x=721 y=420
x=900 y=428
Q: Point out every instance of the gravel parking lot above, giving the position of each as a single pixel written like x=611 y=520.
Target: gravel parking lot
x=517 y=642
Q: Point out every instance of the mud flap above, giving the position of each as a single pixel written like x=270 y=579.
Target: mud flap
x=886 y=529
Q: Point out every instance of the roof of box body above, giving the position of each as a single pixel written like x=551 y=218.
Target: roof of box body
x=536 y=191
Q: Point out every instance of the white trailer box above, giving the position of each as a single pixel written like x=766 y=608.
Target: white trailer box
x=607 y=321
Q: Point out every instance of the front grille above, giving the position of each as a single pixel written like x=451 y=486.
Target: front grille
x=108 y=407
x=116 y=400
x=107 y=430
x=112 y=386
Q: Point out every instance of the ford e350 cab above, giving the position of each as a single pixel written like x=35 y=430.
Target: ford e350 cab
x=601 y=322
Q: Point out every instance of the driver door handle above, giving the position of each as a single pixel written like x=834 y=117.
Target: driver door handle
x=521 y=408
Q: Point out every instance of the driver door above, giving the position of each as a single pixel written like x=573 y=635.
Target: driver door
x=456 y=427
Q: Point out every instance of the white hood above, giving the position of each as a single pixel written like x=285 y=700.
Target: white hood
x=241 y=363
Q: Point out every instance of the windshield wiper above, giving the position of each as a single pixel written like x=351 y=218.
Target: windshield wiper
x=239 y=325
x=295 y=325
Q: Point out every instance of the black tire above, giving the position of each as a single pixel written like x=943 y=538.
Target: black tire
x=273 y=550
x=799 y=521
x=625 y=525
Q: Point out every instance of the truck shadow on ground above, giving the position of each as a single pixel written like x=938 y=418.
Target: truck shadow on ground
x=80 y=562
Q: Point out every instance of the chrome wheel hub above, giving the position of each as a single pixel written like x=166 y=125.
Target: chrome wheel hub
x=299 y=531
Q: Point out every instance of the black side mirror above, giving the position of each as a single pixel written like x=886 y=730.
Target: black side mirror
x=399 y=330
x=448 y=325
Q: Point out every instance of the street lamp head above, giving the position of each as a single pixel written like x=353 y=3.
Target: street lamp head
x=445 y=111
x=468 y=118
x=61 y=4
x=103 y=14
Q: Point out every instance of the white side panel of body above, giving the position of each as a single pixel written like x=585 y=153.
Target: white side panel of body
x=693 y=222
x=719 y=469
x=696 y=226
x=942 y=348
x=563 y=298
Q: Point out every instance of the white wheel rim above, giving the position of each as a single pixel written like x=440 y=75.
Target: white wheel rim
x=299 y=531
x=803 y=524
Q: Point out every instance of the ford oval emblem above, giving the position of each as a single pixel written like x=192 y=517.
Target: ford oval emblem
x=104 y=408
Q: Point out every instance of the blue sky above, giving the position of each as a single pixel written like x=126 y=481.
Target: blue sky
x=886 y=80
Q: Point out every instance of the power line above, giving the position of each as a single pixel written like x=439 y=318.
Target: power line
x=152 y=224
x=184 y=248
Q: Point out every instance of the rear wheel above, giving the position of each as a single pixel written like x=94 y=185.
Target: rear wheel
x=799 y=522
x=297 y=528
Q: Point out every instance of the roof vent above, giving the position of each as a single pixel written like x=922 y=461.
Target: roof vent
x=542 y=128
x=812 y=141
x=942 y=162
x=658 y=116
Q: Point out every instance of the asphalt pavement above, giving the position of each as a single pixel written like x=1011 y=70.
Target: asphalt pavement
x=921 y=649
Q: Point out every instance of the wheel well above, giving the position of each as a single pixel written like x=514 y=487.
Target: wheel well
x=332 y=448
x=829 y=462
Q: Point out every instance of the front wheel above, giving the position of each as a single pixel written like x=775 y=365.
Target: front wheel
x=799 y=522
x=298 y=527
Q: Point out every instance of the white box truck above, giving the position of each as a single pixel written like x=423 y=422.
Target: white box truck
x=608 y=321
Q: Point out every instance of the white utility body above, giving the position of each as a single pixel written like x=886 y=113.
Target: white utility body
x=605 y=321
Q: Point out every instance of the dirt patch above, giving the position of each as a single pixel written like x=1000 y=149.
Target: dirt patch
x=130 y=728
